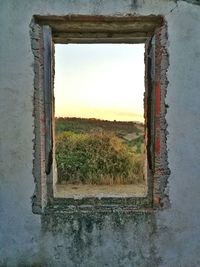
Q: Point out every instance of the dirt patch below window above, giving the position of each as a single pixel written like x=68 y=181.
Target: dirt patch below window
x=99 y=191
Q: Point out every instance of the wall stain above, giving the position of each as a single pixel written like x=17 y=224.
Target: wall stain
x=96 y=239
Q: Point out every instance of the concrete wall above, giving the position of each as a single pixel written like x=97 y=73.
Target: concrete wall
x=170 y=237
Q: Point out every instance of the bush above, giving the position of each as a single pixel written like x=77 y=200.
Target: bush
x=96 y=158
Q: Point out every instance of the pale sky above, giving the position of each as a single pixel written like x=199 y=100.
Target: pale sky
x=104 y=81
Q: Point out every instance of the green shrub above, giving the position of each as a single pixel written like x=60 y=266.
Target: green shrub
x=96 y=158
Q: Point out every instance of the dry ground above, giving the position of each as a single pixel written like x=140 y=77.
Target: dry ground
x=80 y=191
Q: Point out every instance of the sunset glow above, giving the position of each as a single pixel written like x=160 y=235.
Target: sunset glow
x=104 y=81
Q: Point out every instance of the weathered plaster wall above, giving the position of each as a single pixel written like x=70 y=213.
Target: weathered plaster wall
x=165 y=238
x=178 y=227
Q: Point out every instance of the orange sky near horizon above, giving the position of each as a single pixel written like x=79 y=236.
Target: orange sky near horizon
x=102 y=81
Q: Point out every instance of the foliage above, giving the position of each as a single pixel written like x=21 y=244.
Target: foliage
x=96 y=157
x=83 y=125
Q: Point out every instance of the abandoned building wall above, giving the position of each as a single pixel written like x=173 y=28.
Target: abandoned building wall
x=168 y=237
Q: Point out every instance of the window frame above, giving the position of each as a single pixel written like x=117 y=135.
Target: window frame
x=151 y=30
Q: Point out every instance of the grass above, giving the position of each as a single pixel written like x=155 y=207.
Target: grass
x=96 y=152
x=79 y=125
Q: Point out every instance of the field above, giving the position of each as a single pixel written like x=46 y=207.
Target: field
x=91 y=151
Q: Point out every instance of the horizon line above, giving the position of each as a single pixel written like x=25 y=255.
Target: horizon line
x=84 y=118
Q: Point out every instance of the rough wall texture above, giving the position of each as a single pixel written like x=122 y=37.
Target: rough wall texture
x=164 y=238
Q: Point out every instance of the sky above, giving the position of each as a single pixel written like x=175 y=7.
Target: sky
x=103 y=81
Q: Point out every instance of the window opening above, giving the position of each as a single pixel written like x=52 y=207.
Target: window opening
x=99 y=120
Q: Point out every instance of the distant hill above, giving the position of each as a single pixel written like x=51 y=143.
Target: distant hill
x=131 y=133
x=82 y=125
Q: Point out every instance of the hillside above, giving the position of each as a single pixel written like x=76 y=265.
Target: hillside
x=91 y=151
x=130 y=132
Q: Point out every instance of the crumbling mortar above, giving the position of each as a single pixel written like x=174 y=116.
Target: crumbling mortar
x=38 y=114
x=161 y=171
x=164 y=167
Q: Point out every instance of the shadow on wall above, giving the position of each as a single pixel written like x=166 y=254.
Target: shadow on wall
x=99 y=239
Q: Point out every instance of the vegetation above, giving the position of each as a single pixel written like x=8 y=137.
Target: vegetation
x=92 y=151
x=79 y=125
